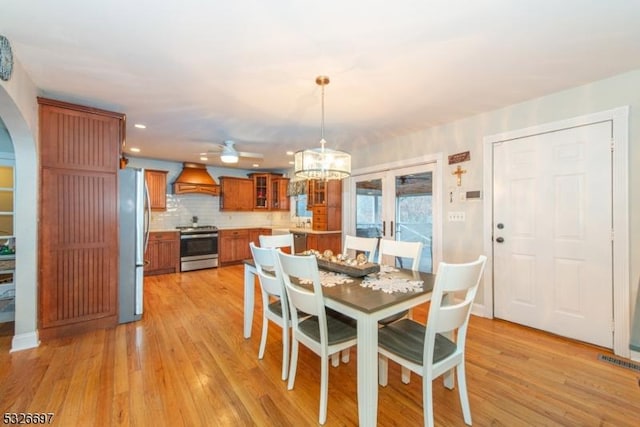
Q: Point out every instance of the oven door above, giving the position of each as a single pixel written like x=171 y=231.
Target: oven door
x=198 y=246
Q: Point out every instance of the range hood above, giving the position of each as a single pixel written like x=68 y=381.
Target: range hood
x=194 y=178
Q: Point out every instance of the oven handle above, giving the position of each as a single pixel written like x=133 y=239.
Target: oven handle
x=197 y=236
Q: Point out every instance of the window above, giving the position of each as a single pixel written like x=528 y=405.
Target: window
x=301 y=206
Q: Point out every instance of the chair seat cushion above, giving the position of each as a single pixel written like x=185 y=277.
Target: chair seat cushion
x=276 y=307
x=406 y=339
x=338 y=328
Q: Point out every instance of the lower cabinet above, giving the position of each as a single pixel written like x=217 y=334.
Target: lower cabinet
x=163 y=253
x=233 y=246
x=255 y=233
x=322 y=242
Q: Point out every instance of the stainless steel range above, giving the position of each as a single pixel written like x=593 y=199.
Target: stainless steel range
x=198 y=247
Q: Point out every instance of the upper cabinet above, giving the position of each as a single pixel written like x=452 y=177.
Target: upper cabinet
x=236 y=194
x=280 y=200
x=157 y=188
x=261 y=190
x=270 y=191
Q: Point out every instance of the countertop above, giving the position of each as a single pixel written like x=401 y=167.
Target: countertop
x=282 y=228
x=248 y=227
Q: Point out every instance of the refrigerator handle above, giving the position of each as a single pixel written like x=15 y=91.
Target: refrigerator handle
x=147 y=212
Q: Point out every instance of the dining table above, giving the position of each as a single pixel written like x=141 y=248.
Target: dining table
x=367 y=306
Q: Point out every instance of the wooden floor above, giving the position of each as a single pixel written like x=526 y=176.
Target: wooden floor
x=186 y=364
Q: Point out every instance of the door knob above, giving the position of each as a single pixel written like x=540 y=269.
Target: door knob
x=499 y=240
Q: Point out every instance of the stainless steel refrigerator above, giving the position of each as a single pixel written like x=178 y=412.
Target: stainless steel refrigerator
x=134 y=233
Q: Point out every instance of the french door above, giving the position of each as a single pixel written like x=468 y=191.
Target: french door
x=397 y=204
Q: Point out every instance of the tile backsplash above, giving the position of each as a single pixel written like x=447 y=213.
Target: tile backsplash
x=182 y=207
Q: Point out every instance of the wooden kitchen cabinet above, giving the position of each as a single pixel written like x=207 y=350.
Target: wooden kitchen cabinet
x=325 y=204
x=280 y=201
x=163 y=253
x=157 y=188
x=322 y=242
x=264 y=191
x=255 y=233
x=78 y=218
x=261 y=190
x=236 y=194
x=233 y=246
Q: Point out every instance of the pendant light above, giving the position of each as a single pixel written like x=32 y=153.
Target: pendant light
x=322 y=163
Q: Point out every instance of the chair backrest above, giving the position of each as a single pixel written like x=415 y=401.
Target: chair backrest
x=396 y=248
x=362 y=244
x=277 y=241
x=310 y=301
x=266 y=265
x=447 y=312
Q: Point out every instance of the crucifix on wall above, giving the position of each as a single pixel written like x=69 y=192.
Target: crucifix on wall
x=458 y=172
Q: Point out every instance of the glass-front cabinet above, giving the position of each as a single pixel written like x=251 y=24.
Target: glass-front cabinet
x=280 y=200
x=261 y=190
x=270 y=191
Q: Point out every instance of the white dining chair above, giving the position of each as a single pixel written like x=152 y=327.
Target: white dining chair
x=400 y=249
x=275 y=307
x=438 y=347
x=276 y=241
x=353 y=245
x=405 y=250
x=322 y=332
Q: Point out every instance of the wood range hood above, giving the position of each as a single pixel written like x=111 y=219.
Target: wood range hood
x=194 y=178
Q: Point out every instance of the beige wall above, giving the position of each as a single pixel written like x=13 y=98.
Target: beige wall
x=459 y=242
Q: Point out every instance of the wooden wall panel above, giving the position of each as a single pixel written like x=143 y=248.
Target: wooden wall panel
x=78 y=230
x=79 y=247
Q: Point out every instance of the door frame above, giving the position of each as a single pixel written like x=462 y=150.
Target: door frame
x=348 y=216
x=620 y=195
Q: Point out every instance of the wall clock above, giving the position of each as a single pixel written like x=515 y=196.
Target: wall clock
x=6 y=59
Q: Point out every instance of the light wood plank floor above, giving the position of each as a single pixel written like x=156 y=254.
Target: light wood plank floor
x=186 y=364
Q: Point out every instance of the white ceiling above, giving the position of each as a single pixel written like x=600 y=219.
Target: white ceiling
x=201 y=70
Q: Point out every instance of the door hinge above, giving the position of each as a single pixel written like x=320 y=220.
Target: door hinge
x=613 y=326
x=613 y=235
x=613 y=145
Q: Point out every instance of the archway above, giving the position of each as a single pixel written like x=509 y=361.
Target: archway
x=22 y=128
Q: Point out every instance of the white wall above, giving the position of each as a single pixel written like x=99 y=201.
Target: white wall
x=463 y=241
x=19 y=112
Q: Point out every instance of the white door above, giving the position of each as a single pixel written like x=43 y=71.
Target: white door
x=552 y=241
x=397 y=204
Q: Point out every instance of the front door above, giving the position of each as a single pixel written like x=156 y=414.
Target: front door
x=552 y=241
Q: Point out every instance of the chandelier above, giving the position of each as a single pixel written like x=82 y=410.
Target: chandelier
x=322 y=163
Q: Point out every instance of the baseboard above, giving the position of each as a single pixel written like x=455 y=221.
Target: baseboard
x=24 y=341
x=479 y=310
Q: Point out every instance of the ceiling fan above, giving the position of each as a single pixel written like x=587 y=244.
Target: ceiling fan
x=228 y=153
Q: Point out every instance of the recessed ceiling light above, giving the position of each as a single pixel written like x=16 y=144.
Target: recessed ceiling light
x=140 y=126
x=290 y=153
x=255 y=165
x=204 y=159
x=291 y=163
x=134 y=149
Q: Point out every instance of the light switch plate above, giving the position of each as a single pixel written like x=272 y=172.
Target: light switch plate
x=456 y=217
